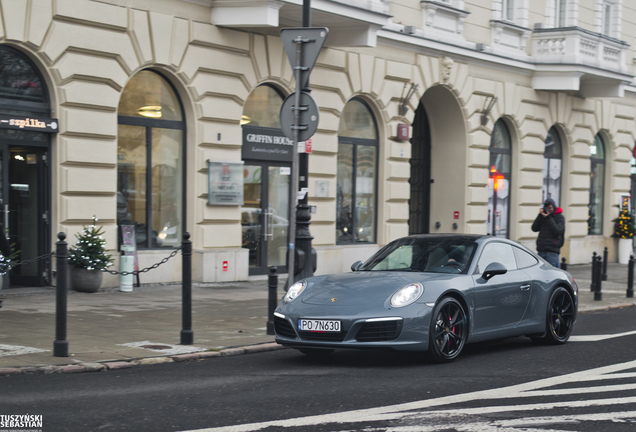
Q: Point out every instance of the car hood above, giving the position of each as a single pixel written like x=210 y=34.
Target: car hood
x=361 y=288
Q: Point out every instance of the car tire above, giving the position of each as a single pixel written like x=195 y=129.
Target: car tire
x=316 y=352
x=560 y=317
x=448 y=331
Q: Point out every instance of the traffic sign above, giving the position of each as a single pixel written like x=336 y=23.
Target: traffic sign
x=311 y=40
x=307 y=116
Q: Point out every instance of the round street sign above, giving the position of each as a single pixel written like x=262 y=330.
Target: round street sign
x=307 y=119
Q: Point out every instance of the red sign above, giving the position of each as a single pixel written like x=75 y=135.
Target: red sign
x=225 y=266
x=403 y=132
x=308 y=146
x=456 y=215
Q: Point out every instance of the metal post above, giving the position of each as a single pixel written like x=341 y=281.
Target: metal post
x=272 y=285
x=303 y=211
x=605 y=253
x=187 y=335
x=564 y=264
x=593 y=285
x=60 y=346
x=598 y=295
x=630 y=277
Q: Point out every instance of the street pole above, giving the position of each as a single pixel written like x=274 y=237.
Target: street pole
x=303 y=211
x=294 y=168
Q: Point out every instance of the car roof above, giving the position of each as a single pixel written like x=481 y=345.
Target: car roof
x=466 y=237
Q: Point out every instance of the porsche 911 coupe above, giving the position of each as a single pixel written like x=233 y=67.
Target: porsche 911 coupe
x=431 y=293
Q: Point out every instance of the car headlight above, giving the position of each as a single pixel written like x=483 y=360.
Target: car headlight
x=295 y=290
x=407 y=295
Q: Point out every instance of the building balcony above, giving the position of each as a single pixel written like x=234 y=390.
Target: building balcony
x=352 y=23
x=577 y=60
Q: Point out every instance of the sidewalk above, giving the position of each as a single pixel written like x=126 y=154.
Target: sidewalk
x=112 y=329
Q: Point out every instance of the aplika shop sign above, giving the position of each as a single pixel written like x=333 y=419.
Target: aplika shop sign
x=40 y=124
x=266 y=144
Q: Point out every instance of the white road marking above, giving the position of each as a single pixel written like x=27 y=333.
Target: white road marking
x=401 y=412
x=169 y=350
x=11 y=350
x=596 y=338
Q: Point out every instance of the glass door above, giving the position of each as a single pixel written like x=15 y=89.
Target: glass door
x=23 y=211
x=265 y=216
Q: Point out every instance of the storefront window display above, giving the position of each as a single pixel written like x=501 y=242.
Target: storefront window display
x=597 y=186
x=499 y=181
x=150 y=155
x=356 y=199
x=552 y=167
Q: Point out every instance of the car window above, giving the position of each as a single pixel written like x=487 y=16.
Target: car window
x=399 y=258
x=524 y=259
x=496 y=252
x=424 y=254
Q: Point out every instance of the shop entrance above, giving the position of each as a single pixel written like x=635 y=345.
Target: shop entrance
x=23 y=206
x=265 y=215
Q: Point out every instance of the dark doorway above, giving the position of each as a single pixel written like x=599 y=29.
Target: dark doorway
x=420 y=181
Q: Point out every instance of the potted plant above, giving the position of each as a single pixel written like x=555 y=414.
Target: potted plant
x=88 y=259
x=624 y=230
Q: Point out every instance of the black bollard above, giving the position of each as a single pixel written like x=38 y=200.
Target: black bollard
x=598 y=295
x=272 y=285
x=60 y=346
x=604 y=264
x=630 y=277
x=593 y=285
x=187 y=335
x=564 y=265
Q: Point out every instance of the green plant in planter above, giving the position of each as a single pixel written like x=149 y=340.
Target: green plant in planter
x=89 y=252
x=624 y=224
x=7 y=262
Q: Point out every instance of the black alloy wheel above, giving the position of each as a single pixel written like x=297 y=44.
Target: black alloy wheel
x=448 y=332
x=560 y=317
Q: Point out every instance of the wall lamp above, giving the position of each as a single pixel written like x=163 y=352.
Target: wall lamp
x=489 y=103
x=404 y=100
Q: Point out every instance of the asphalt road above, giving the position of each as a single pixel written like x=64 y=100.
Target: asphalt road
x=511 y=384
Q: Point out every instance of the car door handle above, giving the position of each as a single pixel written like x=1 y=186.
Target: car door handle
x=524 y=287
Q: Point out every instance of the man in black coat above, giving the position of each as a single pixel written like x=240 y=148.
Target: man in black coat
x=550 y=224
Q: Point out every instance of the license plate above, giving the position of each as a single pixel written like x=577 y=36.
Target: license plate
x=318 y=325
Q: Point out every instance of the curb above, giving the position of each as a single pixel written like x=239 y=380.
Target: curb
x=126 y=364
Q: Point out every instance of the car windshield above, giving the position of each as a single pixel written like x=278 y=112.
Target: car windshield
x=423 y=254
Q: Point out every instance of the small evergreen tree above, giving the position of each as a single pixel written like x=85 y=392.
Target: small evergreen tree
x=89 y=252
x=624 y=224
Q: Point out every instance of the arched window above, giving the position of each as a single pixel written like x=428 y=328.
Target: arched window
x=552 y=163
x=150 y=158
x=499 y=181
x=356 y=196
x=262 y=108
x=597 y=186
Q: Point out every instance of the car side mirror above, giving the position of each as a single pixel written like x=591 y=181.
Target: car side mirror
x=494 y=269
x=356 y=266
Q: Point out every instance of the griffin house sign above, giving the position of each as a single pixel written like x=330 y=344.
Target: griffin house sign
x=266 y=144
x=41 y=124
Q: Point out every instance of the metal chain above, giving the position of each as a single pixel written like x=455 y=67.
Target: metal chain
x=25 y=262
x=147 y=269
x=113 y=272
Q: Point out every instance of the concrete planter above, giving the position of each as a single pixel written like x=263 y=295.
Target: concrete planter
x=625 y=249
x=85 y=280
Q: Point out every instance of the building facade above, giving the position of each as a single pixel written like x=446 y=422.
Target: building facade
x=135 y=111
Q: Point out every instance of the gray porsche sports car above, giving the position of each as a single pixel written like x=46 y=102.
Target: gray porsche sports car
x=431 y=293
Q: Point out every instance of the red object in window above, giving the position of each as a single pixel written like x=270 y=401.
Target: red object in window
x=225 y=266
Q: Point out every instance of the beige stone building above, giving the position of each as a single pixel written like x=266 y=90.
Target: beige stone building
x=149 y=113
